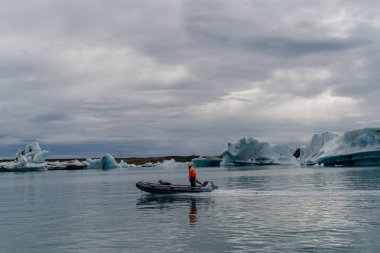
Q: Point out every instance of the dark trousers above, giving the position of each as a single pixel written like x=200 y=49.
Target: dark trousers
x=192 y=181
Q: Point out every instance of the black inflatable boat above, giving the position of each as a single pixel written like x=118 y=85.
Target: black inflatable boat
x=169 y=188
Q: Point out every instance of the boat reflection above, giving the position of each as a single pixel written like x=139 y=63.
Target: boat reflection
x=188 y=203
x=193 y=213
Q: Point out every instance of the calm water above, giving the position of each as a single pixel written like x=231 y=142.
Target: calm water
x=265 y=209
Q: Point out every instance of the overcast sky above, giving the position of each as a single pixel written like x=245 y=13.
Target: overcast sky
x=144 y=78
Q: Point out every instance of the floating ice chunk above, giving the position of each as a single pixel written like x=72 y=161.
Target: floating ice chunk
x=164 y=163
x=94 y=164
x=106 y=162
x=30 y=159
x=167 y=163
x=31 y=150
x=313 y=148
x=21 y=159
x=123 y=164
x=148 y=164
x=34 y=147
x=16 y=167
x=40 y=157
x=228 y=159
x=33 y=153
x=209 y=161
x=354 y=148
x=251 y=151
x=66 y=165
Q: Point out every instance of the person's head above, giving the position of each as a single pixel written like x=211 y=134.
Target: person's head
x=189 y=166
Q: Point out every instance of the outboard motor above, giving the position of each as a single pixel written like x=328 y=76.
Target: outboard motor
x=210 y=184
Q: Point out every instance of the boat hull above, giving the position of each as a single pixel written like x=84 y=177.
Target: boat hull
x=157 y=188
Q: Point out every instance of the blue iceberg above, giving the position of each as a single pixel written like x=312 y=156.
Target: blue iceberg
x=353 y=148
x=208 y=161
x=105 y=163
x=251 y=151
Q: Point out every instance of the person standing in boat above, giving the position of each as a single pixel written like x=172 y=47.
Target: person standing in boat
x=192 y=175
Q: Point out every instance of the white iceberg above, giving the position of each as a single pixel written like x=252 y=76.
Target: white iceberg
x=251 y=151
x=30 y=159
x=33 y=153
x=66 y=165
x=125 y=165
x=164 y=163
x=353 y=148
x=312 y=149
x=315 y=145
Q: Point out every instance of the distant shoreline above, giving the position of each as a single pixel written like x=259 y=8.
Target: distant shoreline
x=142 y=160
x=129 y=160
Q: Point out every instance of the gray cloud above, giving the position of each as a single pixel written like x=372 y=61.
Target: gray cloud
x=163 y=77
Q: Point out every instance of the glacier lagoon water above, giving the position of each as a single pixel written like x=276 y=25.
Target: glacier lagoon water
x=257 y=209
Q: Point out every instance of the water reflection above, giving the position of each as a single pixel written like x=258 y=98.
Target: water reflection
x=248 y=167
x=362 y=178
x=193 y=206
x=193 y=213
x=249 y=182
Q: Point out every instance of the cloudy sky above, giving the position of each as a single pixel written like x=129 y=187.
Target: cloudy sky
x=144 y=78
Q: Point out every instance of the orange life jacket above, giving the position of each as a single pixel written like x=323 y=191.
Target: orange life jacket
x=192 y=174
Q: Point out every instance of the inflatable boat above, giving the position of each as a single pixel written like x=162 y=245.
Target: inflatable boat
x=168 y=188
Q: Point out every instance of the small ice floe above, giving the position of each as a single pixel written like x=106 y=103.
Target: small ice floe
x=66 y=165
x=167 y=163
x=148 y=164
x=164 y=163
x=125 y=165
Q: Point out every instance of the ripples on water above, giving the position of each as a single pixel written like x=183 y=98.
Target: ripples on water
x=265 y=209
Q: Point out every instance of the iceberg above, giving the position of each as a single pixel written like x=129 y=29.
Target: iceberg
x=105 y=163
x=312 y=149
x=33 y=153
x=164 y=163
x=108 y=162
x=353 y=148
x=251 y=151
x=66 y=165
x=208 y=161
x=32 y=158
x=125 y=165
